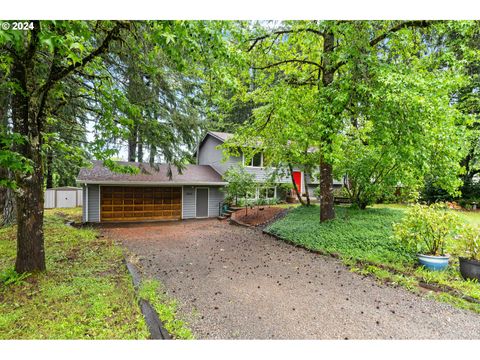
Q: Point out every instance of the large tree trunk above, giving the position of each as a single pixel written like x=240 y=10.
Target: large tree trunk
x=295 y=188
x=49 y=170
x=327 y=211
x=29 y=195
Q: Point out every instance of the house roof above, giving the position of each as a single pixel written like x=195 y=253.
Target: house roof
x=65 y=188
x=222 y=136
x=191 y=175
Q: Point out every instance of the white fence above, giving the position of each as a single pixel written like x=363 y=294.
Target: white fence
x=63 y=197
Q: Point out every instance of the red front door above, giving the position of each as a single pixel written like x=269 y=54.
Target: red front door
x=297 y=177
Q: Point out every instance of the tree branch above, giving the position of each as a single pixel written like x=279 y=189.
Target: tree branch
x=281 y=32
x=60 y=73
x=300 y=61
x=402 y=25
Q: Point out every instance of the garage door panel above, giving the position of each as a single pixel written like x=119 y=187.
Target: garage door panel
x=140 y=203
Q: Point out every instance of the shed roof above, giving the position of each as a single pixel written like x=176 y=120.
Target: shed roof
x=150 y=175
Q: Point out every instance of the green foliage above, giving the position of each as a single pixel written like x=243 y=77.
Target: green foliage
x=11 y=277
x=470 y=239
x=167 y=309
x=86 y=294
x=384 y=117
x=240 y=183
x=427 y=229
x=12 y=160
x=362 y=235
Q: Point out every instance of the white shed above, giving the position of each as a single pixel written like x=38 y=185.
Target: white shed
x=63 y=197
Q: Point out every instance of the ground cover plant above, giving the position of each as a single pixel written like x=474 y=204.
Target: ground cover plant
x=363 y=240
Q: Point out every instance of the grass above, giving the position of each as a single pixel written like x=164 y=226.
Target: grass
x=166 y=308
x=363 y=240
x=86 y=292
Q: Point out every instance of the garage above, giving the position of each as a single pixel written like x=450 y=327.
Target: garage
x=153 y=193
x=128 y=203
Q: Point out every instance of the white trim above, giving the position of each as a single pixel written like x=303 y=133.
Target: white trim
x=208 y=202
x=181 y=214
x=251 y=166
x=274 y=187
x=86 y=200
x=151 y=183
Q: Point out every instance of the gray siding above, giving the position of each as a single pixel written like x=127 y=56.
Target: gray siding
x=208 y=154
x=93 y=203
x=215 y=196
x=188 y=203
x=311 y=188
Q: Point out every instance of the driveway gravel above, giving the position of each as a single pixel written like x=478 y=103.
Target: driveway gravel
x=237 y=283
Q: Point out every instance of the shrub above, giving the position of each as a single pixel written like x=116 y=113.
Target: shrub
x=470 y=238
x=427 y=229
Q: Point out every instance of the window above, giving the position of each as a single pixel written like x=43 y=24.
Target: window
x=267 y=193
x=255 y=161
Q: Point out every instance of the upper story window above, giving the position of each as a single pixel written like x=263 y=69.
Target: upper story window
x=255 y=161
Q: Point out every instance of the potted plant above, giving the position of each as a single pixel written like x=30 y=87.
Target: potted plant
x=470 y=263
x=426 y=230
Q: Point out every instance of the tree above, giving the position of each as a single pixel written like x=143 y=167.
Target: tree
x=320 y=57
x=38 y=63
x=240 y=183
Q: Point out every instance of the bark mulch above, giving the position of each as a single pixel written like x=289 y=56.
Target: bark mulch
x=256 y=216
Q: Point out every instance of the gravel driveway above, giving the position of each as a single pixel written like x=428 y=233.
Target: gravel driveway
x=237 y=283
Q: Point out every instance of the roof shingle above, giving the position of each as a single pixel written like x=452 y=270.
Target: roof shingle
x=191 y=175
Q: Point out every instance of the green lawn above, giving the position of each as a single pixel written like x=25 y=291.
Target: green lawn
x=363 y=240
x=86 y=292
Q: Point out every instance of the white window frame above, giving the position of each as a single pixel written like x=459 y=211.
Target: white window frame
x=251 y=160
x=257 y=193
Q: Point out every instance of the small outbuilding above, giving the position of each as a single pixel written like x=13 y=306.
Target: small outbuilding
x=63 y=197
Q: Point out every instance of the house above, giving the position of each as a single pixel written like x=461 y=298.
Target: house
x=209 y=152
x=151 y=194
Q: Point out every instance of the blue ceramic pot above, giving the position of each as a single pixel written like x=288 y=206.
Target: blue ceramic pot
x=434 y=263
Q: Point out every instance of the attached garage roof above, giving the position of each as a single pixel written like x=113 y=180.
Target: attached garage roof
x=148 y=175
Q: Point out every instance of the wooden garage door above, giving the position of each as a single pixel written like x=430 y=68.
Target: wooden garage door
x=122 y=203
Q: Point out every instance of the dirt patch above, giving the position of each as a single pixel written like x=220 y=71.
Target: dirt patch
x=256 y=216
